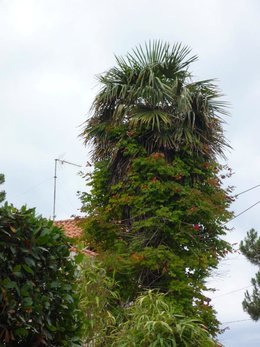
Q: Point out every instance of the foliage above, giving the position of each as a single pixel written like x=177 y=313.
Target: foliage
x=250 y=247
x=159 y=230
x=38 y=306
x=2 y=193
x=97 y=293
x=152 y=321
x=150 y=97
x=156 y=211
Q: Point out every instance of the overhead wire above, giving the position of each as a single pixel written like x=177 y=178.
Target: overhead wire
x=242 y=212
x=231 y=292
x=247 y=190
x=246 y=287
x=248 y=208
x=237 y=321
x=34 y=186
x=236 y=216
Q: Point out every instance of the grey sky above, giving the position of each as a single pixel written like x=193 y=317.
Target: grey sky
x=50 y=53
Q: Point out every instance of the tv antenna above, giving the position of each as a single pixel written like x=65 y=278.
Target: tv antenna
x=55 y=182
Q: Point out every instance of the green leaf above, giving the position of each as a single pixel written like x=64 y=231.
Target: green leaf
x=21 y=332
x=55 y=284
x=27 y=269
x=29 y=261
x=27 y=301
x=68 y=298
x=79 y=257
x=8 y=284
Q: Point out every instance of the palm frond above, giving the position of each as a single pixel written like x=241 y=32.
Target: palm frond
x=150 y=118
x=151 y=90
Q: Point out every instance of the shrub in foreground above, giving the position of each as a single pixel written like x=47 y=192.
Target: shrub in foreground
x=152 y=321
x=99 y=302
x=38 y=306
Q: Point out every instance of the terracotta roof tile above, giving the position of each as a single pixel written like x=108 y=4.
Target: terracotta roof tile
x=73 y=230
x=70 y=226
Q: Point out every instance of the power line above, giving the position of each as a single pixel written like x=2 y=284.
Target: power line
x=239 y=214
x=237 y=321
x=33 y=187
x=247 y=190
x=244 y=211
x=232 y=291
x=247 y=209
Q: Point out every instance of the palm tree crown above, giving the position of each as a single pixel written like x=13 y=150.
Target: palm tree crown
x=151 y=97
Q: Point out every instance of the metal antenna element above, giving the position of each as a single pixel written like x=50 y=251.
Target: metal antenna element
x=67 y=162
x=55 y=183
x=54 y=190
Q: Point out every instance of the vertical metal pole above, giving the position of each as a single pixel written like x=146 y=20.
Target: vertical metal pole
x=54 y=192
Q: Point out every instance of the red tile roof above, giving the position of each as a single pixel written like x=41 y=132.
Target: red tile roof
x=73 y=230
x=71 y=227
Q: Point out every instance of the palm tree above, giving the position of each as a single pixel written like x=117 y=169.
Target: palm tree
x=150 y=96
x=149 y=107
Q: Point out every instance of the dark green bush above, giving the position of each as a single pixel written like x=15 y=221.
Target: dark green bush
x=38 y=306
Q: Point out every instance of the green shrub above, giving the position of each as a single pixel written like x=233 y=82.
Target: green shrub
x=99 y=302
x=152 y=321
x=38 y=306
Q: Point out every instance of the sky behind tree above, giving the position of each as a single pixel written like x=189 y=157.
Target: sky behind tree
x=51 y=52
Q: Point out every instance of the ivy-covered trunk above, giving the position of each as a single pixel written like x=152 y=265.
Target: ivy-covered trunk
x=156 y=210
x=160 y=228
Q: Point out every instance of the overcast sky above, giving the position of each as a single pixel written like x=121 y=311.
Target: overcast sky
x=51 y=51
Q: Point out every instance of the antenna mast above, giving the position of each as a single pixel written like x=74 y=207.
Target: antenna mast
x=55 y=183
